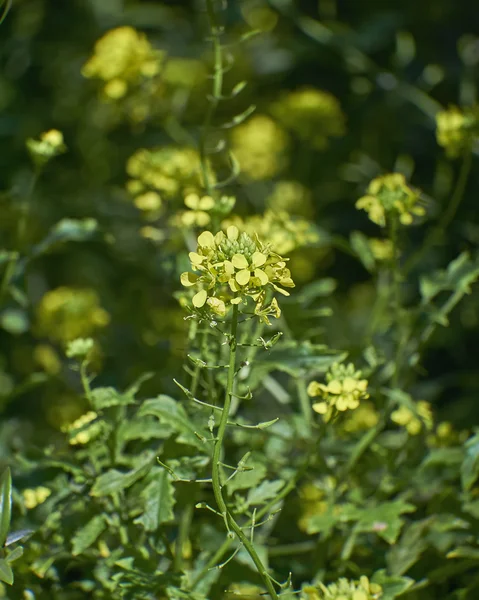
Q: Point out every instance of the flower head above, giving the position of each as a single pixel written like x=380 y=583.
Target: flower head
x=414 y=421
x=47 y=147
x=457 y=129
x=314 y=115
x=344 y=389
x=344 y=589
x=32 y=497
x=389 y=196
x=233 y=267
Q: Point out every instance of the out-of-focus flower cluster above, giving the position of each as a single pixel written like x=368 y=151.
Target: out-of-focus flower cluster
x=234 y=267
x=313 y=115
x=260 y=147
x=343 y=390
x=390 y=197
x=414 y=422
x=292 y=197
x=66 y=313
x=49 y=145
x=84 y=429
x=123 y=58
x=32 y=497
x=312 y=502
x=344 y=589
x=161 y=174
x=457 y=129
x=202 y=209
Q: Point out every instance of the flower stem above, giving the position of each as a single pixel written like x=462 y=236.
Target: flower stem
x=216 y=469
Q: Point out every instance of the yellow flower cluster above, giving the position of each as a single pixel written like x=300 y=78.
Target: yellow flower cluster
x=49 y=145
x=457 y=129
x=313 y=502
x=160 y=174
x=344 y=589
x=259 y=145
x=279 y=229
x=314 y=115
x=201 y=209
x=389 y=196
x=414 y=422
x=292 y=197
x=122 y=58
x=86 y=432
x=381 y=249
x=364 y=417
x=445 y=436
x=184 y=72
x=343 y=390
x=32 y=497
x=67 y=313
x=234 y=267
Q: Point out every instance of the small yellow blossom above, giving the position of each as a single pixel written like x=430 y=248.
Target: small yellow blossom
x=343 y=390
x=33 y=497
x=364 y=417
x=81 y=430
x=381 y=249
x=457 y=129
x=314 y=115
x=344 y=589
x=47 y=147
x=234 y=267
x=389 y=196
x=414 y=421
x=67 y=313
x=260 y=145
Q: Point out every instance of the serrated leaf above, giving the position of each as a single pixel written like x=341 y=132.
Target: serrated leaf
x=458 y=276
x=106 y=397
x=5 y=504
x=263 y=492
x=470 y=465
x=323 y=523
x=158 y=497
x=383 y=519
x=244 y=480
x=6 y=573
x=393 y=586
x=114 y=481
x=171 y=413
x=142 y=429
x=88 y=534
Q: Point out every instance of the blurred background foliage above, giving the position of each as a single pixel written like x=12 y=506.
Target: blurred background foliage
x=344 y=92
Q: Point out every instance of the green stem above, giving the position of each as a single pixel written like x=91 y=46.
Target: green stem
x=448 y=215
x=216 y=469
x=183 y=530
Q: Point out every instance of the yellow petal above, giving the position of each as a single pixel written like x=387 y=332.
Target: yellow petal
x=320 y=407
x=243 y=277
x=188 y=279
x=192 y=201
x=195 y=258
x=206 y=203
x=206 y=239
x=232 y=232
x=258 y=259
x=199 y=299
x=239 y=261
x=261 y=275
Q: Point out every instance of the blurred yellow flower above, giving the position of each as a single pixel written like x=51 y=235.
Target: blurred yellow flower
x=49 y=145
x=389 y=196
x=344 y=589
x=32 y=497
x=313 y=115
x=67 y=313
x=457 y=129
x=259 y=145
x=344 y=389
x=291 y=197
x=414 y=421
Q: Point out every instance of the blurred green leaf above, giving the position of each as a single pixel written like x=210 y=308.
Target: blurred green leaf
x=5 y=504
x=114 y=481
x=158 y=498
x=6 y=573
x=88 y=534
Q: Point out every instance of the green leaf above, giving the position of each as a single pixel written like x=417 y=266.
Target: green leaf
x=6 y=573
x=470 y=465
x=323 y=523
x=114 y=481
x=407 y=551
x=460 y=274
x=264 y=492
x=158 y=497
x=464 y=552
x=360 y=245
x=14 y=554
x=171 y=413
x=5 y=7
x=5 y=504
x=106 y=397
x=383 y=519
x=393 y=586
x=88 y=534
x=143 y=429
x=67 y=230
x=245 y=480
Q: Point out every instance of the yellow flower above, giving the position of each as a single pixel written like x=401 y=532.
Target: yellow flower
x=344 y=589
x=83 y=429
x=344 y=389
x=314 y=115
x=47 y=147
x=381 y=249
x=414 y=421
x=232 y=268
x=33 y=497
x=389 y=196
x=68 y=313
x=259 y=145
x=457 y=129
x=291 y=197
